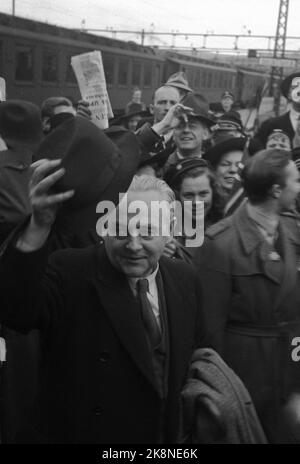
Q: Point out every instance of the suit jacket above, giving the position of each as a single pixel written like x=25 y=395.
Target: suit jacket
x=255 y=311
x=97 y=382
x=282 y=122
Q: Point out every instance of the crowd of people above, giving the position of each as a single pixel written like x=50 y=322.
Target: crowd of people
x=123 y=333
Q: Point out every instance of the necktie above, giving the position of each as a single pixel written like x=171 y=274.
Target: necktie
x=149 y=320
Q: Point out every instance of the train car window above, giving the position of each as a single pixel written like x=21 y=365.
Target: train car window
x=197 y=80
x=1 y=59
x=24 y=70
x=225 y=81
x=190 y=76
x=136 y=73
x=220 y=81
x=209 y=80
x=215 y=79
x=147 y=74
x=203 y=80
x=157 y=76
x=70 y=75
x=233 y=82
x=109 y=66
x=123 y=71
x=49 y=66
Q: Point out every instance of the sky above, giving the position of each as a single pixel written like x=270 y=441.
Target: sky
x=201 y=16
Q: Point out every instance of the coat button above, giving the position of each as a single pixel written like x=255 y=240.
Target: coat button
x=97 y=411
x=104 y=356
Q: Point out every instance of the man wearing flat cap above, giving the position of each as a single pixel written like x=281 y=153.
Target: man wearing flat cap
x=180 y=82
x=227 y=100
x=288 y=122
x=192 y=131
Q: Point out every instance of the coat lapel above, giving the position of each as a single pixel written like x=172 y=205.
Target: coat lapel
x=181 y=325
x=117 y=299
x=256 y=249
x=287 y=125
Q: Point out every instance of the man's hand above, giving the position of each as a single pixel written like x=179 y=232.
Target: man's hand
x=172 y=119
x=44 y=205
x=170 y=249
x=83 y=109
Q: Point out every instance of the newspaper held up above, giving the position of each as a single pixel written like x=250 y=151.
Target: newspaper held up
x=2 y=89
x=2 y=350
x=89 y=72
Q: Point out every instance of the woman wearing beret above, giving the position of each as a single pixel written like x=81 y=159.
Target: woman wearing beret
x=193 y=180
x=227 y=158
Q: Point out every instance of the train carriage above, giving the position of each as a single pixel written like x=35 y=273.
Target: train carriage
x=35 y=62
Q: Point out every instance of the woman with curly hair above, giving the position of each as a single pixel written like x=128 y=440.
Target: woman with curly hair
x=193 y=180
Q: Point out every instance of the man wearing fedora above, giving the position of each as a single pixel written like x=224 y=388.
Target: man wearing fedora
x=117 y=342
x=249 y=266
x=289 y=121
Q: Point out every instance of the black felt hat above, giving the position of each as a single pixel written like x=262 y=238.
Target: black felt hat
x=98 y=165
x=20 y=121
x=214 y=154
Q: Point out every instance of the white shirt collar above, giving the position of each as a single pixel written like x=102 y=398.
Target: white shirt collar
x=151 y=279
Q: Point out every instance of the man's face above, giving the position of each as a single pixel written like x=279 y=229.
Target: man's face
x=227 y=103
x=133 y=122
x=228 y=168
x=136 y=96
x=188 y=136
x=196 y=189
x=137 y=253
x=291 y=189
x=294 y=92
x=164 y=98
x=281 y=141
x=46 y=120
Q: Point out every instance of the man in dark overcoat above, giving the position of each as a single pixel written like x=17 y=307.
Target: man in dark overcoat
x=289 y=121
x=115 y=356
x=249 y=265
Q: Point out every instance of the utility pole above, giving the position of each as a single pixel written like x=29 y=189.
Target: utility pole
x=279 y=52
x=13 y=7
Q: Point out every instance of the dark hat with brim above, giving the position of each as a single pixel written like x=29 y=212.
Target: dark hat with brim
x=98 y=165
x=158 y=159
x=176 y=171
x=214 y=154
x=20 y=122
x=286 y=83
x=227 y=94
x=200 y=107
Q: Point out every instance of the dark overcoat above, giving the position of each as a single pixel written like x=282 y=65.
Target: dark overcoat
x=97 y=382
x=252 y=304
